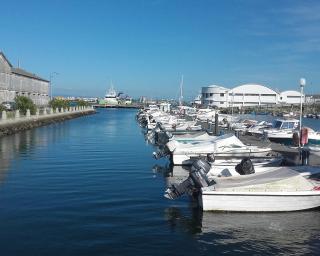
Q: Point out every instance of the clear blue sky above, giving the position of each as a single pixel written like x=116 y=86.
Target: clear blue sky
x=145 y=45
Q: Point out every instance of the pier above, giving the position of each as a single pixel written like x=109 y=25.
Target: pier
x=48 y=116
x=135 y=106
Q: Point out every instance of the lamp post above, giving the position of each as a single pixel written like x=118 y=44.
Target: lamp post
x=302 y=85
x=52 y=74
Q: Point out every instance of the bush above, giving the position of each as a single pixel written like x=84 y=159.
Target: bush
x=2 y=108
x=59 y=103
x=23 y=103
x=82 y=103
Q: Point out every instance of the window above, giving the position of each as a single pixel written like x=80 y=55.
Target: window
x=277 y=124
x=268 y=94
x=290 y=125
x=211 y=94
x=221 y=94
x=251 y=94
x=221 y=102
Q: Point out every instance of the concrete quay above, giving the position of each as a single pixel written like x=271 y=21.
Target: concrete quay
x=20 y=123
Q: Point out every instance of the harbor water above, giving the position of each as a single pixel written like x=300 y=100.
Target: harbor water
x=88 y=186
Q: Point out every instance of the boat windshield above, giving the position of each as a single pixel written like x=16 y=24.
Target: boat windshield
x=277 y=124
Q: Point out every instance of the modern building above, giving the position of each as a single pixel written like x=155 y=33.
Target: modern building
x=18 y=82
x=247 y=95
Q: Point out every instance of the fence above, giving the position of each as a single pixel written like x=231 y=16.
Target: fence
x=16 y=116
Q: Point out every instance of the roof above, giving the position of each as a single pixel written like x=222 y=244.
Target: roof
x=4 y=56
x=217 y=86
x=22 y=72
x=253 y=88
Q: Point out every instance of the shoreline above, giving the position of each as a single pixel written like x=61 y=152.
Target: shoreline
x=8 y=127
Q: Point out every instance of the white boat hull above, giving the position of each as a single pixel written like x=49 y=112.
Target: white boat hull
x=258 y=201
x=186 y=159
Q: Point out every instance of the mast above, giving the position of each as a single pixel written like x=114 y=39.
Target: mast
x=181 y=97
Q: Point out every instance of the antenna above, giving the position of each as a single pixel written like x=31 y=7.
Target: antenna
x=18 y=63
x=181 y=97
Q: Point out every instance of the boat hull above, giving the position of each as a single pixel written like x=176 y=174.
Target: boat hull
x=259 y=202
x=187 y=159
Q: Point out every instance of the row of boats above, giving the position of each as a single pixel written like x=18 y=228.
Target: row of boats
x=222 y=172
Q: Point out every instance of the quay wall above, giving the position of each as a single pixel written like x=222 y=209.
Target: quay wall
x=20 y=123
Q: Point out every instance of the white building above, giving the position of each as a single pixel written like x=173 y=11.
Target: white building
x=18 y=82
x=246 y=95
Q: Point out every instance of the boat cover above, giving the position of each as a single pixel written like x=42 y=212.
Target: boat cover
x=282 y=179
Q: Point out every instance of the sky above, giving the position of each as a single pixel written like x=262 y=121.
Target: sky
x=145 y=46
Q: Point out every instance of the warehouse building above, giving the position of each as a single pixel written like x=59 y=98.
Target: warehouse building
x=18 y=82
x=247 y=95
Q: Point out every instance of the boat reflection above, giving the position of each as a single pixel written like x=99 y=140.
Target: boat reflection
x=289 y=233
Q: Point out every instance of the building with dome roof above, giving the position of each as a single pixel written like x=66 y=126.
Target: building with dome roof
x=247 y=95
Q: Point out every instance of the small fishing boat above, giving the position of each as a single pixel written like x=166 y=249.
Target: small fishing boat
x=282 y=131
x=275 y=189
x=281 y=189
x=226 y=145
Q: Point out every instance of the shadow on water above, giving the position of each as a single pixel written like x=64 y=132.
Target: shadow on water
x=22 y=144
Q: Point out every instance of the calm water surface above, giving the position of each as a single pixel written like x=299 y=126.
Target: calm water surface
x=87 y=187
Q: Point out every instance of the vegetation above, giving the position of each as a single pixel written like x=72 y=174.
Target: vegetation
x=23 y=103
x=59 y=103
x=82 y=103
x=2 y=108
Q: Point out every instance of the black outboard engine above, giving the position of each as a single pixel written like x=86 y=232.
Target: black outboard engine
x=198 y=173
x=162 y=152
x=245 y=167
x=197 y=179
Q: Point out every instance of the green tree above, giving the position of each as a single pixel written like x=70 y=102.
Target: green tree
x=82 y=103
x=59 y=103
x=23 y=103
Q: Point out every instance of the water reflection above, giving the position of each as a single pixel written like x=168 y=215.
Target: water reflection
x=23 y=144
x=290 y=233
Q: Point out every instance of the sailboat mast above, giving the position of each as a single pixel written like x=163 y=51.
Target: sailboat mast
x=181 y=97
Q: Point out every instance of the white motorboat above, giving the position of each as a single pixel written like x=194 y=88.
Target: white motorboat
x=273 y=190
x=281 y=189
x=282 y=130
x=226 y=145
x=257 y=129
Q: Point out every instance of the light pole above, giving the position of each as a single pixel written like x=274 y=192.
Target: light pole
x=302 y=85
x=52 y=74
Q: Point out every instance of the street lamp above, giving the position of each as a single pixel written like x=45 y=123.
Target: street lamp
x=302 y=85
x=52 y=74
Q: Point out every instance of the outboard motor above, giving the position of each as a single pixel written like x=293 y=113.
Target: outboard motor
x=245 y=167
x=211 y=158
x=162 y=152
x=196 y=180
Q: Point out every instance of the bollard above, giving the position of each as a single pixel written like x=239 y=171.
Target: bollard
x=44 y=111
x=304 y=156
x=4 y=115
x=37 y=112
x=17 y=114
x=51 y=111
x=28 y=113
x=216 y=124
x=62 y=110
